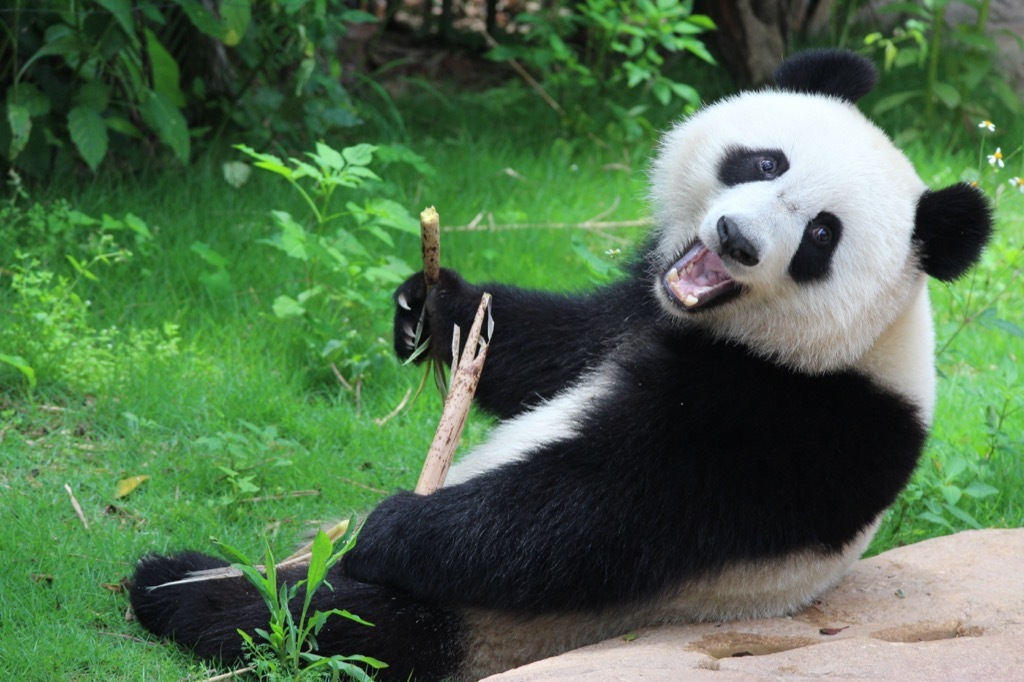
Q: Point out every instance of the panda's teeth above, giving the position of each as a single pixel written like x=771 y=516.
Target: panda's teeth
x=673 y=276
x=690 y=300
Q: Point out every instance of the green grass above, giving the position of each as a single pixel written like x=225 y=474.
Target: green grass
x=242 y=391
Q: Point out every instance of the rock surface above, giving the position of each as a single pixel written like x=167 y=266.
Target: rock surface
x=951 y=608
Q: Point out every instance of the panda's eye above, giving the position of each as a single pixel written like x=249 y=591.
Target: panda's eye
x=821 y=234
x=741 y=165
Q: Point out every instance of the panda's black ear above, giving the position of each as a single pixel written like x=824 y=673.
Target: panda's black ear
x=837 y=73
x=951 y=228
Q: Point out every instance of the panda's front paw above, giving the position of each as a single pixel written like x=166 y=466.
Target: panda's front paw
x=410 y=298
x=444 y=307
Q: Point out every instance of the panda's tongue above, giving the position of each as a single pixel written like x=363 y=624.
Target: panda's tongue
x=698 y=278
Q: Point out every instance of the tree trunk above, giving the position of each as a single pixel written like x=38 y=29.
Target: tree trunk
x=753 y=35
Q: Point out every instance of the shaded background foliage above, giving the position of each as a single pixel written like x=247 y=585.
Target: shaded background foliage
x=123 y=82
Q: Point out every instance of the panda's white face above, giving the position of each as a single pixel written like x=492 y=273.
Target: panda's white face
x=785 y=223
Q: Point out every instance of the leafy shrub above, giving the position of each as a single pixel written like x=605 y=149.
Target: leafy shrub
x=293 y=74
x=609 y=46
x=96 y=77
x=47 y=331
x=346 y=252
x=79 y=73
x=954 y=70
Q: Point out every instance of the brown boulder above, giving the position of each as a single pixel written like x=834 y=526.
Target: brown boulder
x=951 y=608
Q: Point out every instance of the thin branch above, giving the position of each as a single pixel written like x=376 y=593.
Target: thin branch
x=456 y=406
x=430 y=233
x=381 y=421
x=525 y=75
x=475 y=225
x=357 y=484
x=282 y=496
x=229 y=675
x=78 y=507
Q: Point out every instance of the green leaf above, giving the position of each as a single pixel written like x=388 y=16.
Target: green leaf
x=88 y=131
x=951 y=493
x=989 y=319
x=236 y=16
x=292 y=239
x=122 y=11
x=286 y=306
x=81 y=269
x=30 y=97
x=236 y=173
x=329 y=157
x=977 y=490
x=138 y=226
x=947 y=94
x=963 y=516
x=21 y=127
x=379 y=232
x=94 y=95
x=168 y=122
x=59 y=39
x=204 y=19
x=935 y=518
x=661 y=91
x=166 y=75
x=894 y=101
x=359 y=155
x=19 y=363
x=203 y=250
x=317 y=570
x=122 y=125
x=230 y=553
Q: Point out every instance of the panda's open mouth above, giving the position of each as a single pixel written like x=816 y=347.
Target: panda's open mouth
x=699 y=279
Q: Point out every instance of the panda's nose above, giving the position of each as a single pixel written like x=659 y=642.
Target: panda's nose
x=734 y=244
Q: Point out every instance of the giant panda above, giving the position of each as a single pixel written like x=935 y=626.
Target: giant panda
x=713 y=437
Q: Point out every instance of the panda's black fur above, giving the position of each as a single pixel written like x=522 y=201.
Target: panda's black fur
x=661 y=466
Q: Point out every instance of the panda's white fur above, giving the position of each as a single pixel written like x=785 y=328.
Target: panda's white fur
x=554 y=420
x=661 y=459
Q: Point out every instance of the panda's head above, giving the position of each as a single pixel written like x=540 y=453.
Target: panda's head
x=790 y=223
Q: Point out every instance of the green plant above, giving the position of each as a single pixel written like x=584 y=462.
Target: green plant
x=83 y=70
x=340 y=248
x=292 y=70
x=248 y=459
x=56 y=231
x=607 y=46
x=944 y=481
x=288 y=649
x=956 y=67
x=50 y=325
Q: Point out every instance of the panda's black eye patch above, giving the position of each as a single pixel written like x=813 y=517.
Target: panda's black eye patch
x=740 y=165
x=813 y=258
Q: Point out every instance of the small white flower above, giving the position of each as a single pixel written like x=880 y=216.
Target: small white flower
x=996 y=159
x=1017 y=182
x=988 y=124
